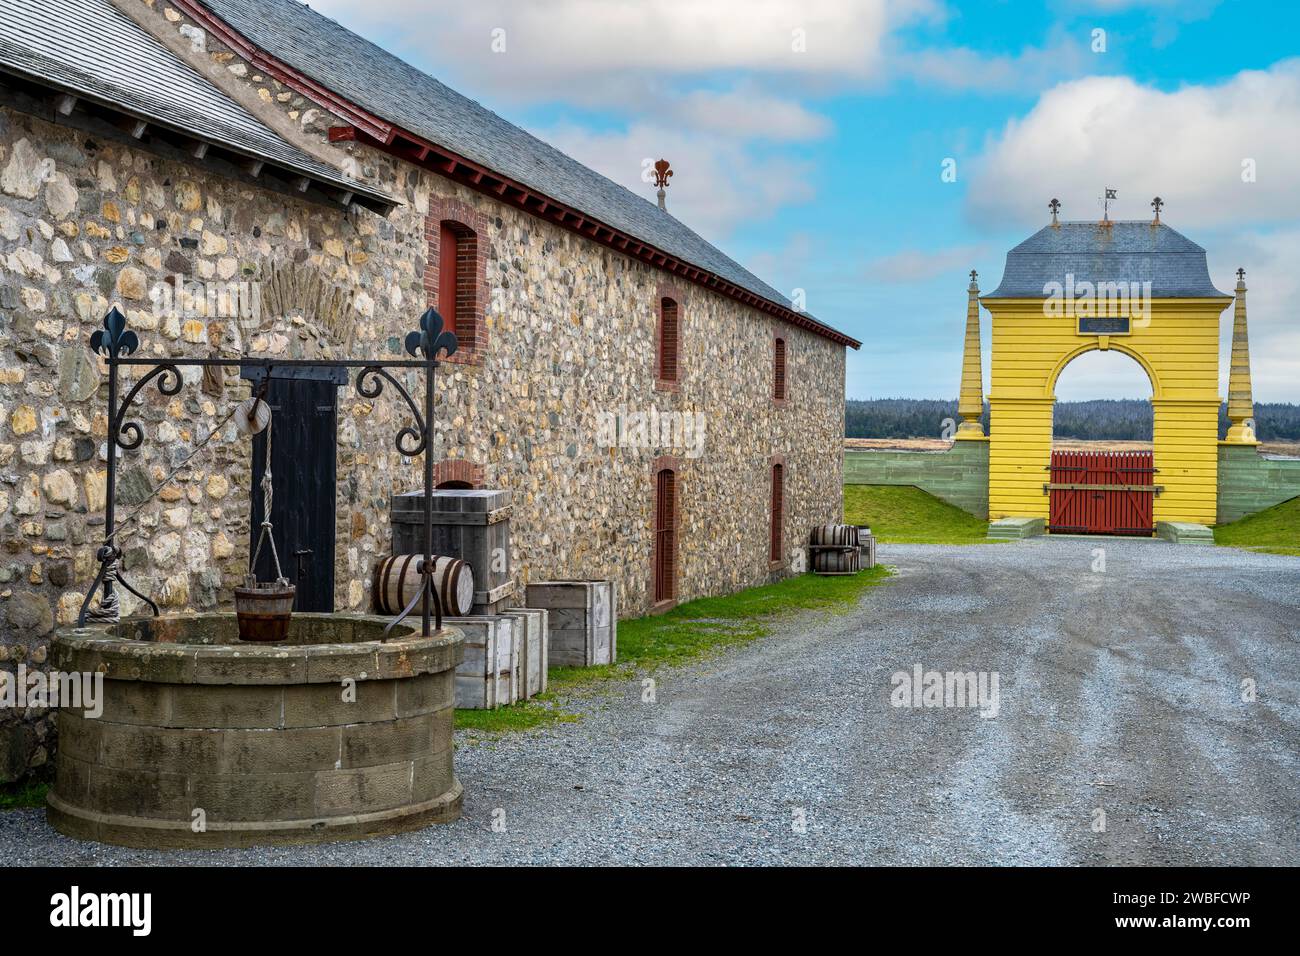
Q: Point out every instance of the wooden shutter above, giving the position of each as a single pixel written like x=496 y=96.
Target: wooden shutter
x=447 y=272
x=778 y=511
x=665 y=545
x=668 y=339
x=778 y=370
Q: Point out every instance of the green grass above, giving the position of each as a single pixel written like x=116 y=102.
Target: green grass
x=1274 y=530
x=18 y=796
x=524 y=715
x=902 y=514
x=687 y=632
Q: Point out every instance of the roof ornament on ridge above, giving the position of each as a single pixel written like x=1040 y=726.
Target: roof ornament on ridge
x=662 y=175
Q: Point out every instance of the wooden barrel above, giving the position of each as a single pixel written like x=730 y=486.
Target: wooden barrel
x=397 y=580
x=834 y=536
x=837 y=562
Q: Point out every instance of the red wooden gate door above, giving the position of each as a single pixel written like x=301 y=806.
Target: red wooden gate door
x=1102 y=492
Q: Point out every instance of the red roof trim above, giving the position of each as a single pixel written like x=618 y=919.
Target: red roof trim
x=413 y=148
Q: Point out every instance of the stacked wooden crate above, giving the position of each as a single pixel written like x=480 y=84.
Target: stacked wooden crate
x=582 y=618
x=533 y=635
x=487 y=676
x=472 y=524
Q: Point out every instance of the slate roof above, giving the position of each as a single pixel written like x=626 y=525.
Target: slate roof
x=1125 y=251
x=388 y=87
x=90 y=49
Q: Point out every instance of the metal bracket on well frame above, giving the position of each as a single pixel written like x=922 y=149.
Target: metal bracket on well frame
x=115 y=343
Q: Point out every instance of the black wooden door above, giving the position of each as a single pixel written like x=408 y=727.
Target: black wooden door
x=303 y=422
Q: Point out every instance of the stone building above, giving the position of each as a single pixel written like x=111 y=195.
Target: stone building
x=247 y=178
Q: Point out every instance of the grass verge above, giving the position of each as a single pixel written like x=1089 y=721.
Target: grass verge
x=902 y=514
x=20 y=796
x=1274 y=530
x=686 y=632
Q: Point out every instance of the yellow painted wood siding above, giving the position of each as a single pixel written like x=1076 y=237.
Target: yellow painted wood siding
x=1178 y=347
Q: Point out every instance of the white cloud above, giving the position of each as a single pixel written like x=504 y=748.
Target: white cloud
x=1273 y=285
x=716 y=183
x=1187 y=146
x=961 y=68
x=920 y=265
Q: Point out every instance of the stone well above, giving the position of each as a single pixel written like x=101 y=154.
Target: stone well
x=204 y=741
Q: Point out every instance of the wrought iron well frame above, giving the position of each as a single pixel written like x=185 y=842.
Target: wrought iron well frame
x=115 y=343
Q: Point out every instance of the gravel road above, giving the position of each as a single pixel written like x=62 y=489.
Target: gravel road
x=1120 y=691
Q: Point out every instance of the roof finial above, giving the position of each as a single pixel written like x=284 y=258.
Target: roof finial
x=1241 y=280
x=662 y=175
x=1110 y=193
x=1055 y=206
x=1156 y=204
x=974 y=284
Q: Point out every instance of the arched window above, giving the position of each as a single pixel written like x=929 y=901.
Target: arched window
x=778 y=512
x=669 y=340
x=665 y=536
x=457 y=290
x=778 y=369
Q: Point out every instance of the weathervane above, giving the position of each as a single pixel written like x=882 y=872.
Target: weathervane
x=662 y=175
x=1055 y=206
x=1105 y=203
x=1156 y=204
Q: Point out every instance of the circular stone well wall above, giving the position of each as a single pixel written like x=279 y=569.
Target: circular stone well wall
x=204 y=741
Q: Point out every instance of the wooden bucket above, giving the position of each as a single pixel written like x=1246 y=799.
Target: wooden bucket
x=397 y=580
x=264 y=610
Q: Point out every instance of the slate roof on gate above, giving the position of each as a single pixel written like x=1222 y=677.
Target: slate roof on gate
x=1125 y=251
x=385 y=85
x=90 y=49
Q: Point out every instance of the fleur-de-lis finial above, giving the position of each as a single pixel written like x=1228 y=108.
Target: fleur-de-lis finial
x=430 y=338
x=114 y=339
x=1055 y=206
x=1156 y=204
x=1241 y=280
x=974 y=284
x=662 y=173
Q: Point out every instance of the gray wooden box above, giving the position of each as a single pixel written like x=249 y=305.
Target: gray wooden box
x=866 y=547
x=583 y=621
x=487 y=677
x=472 y=524
x=533 y=636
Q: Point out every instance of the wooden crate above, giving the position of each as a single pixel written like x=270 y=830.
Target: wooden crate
x=533 y=636
x=472 y=524
x=583 y=621
x=487 y=677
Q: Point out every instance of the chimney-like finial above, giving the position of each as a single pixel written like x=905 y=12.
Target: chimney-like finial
x=1055 y=206
x=1156 y=204
x=662 y=175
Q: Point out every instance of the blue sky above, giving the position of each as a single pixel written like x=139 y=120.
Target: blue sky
x=808 y=141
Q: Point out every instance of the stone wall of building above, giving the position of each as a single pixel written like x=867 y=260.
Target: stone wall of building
x=88 y=221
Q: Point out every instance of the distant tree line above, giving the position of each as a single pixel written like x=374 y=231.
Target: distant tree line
x=1114 y=419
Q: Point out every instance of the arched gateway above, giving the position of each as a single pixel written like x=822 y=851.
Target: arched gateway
x=1135 y=287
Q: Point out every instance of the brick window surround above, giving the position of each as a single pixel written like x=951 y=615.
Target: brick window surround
x=780 y=379
x=669 y=316
x=457 y=472
x=452 y=221
x=776 y=472
x=666 y=522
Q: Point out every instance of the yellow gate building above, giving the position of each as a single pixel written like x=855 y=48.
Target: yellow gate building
x=1140 y=288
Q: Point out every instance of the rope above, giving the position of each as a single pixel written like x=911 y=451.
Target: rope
x=107 y=610
x=266 y=534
